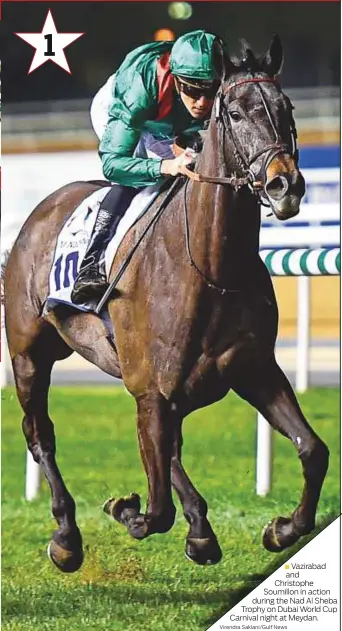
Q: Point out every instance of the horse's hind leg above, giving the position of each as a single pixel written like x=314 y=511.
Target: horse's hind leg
x=155 y=434
x=201 y=543
x=269 y=391
x=32 y=370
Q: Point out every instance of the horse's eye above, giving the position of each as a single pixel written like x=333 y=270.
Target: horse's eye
x=235 y=116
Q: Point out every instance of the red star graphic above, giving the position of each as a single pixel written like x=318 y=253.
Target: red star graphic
x=49 y=44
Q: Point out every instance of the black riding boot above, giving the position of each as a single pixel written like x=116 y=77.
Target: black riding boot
x=91 y=281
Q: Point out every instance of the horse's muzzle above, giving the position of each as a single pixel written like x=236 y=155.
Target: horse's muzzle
x=284 y=192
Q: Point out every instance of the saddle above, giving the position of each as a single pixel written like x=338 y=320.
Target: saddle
x=74 y=238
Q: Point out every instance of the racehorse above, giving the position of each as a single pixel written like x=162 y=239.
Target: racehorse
x=194 y=316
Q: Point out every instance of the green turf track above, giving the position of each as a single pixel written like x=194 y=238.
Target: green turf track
x=126 y=585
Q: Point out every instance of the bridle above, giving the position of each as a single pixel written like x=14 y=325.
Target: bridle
x=269 y=152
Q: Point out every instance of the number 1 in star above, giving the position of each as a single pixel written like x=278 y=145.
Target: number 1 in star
x=49 y=52
x=49 y=44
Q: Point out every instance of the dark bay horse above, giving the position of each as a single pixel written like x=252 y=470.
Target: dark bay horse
x=194 y=316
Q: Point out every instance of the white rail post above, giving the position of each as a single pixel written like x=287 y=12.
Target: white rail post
x=264 y=456
x=303 y=333
x=33 y=472
x=33 y=478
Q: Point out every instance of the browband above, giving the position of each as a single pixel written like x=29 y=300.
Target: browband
x=252 y=80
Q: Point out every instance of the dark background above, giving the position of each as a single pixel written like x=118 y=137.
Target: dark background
x=310 y=32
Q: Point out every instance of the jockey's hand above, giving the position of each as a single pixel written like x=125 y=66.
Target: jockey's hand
x=174 y=167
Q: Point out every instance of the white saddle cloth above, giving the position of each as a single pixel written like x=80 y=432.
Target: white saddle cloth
x=74 y=237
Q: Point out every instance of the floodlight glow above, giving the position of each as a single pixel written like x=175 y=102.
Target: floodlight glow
x=164 y=34
x=180 y=10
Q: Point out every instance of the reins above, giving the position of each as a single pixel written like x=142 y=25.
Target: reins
x=178 y=182
x=210 y=283
x=234 y=181
x=130 y=255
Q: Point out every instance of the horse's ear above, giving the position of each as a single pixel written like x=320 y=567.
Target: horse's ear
x=272 y=61
x=249 y=59
x=222 y=63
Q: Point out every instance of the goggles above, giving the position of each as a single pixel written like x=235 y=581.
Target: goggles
x=196 y=91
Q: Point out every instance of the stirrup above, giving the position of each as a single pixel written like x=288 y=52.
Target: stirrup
x=85 y=293
x=90 y=284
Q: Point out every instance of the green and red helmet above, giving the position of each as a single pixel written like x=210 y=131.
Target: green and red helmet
x=192 y=56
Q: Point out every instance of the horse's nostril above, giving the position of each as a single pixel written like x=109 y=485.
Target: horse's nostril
x=277 y=187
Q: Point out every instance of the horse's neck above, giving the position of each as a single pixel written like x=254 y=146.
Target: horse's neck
x=224 y=224
x=210 y=161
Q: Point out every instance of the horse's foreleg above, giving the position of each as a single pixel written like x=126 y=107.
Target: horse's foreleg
x=32 y=381
x=201 y=543
x=155 y=434
x=269 y=391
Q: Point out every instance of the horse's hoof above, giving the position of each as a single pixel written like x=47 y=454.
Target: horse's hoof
x=204 y=551
x=138 y=527
x=66 y=560
x=122 y=508
x=280 y=533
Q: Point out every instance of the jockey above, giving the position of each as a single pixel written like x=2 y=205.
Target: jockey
x=161 y=90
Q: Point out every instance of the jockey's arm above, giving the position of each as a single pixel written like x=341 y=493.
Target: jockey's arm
x=133 y=104
x=119 y=165
x=116 y=152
